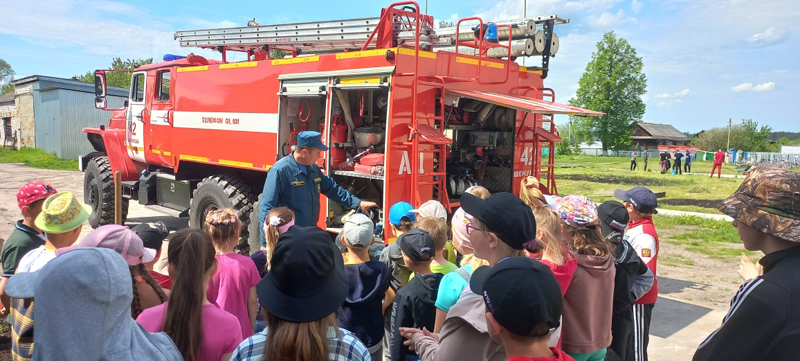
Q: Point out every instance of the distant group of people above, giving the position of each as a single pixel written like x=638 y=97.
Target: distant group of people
x=666 y=158
x=533 y=277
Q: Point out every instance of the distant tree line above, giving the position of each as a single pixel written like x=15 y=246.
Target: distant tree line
x=747 y=136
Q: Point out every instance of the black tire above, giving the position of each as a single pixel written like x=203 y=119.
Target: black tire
x=255 y=228
x=223 y=191
x=98 y=192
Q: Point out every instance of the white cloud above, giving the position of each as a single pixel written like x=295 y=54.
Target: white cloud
x=770 y=35
x=636 y=6
x=679 y=94
x=764 y=87
x=609 y=20
x=758 y=88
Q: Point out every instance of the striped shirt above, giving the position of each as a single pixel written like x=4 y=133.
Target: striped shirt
x=344 y=348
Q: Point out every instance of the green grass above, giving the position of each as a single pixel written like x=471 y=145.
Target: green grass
x=599 y=176
x=677 y=260
x=36 y=158
x=717 y=239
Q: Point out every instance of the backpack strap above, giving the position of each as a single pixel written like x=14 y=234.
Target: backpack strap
x=463 y=273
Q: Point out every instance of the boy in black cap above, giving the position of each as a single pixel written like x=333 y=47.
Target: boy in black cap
x=153 y=236
x=414 y=303
x=633 y=279
x=641 y=203
x=523 y=306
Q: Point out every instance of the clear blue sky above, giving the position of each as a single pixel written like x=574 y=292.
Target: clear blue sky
x=705 y=60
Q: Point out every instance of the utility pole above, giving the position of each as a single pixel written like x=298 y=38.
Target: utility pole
x=426 y=7
x=729 y=136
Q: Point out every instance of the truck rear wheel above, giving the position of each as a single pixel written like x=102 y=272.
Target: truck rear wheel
x=219 y=192
x=255 y=228
x=98 y=192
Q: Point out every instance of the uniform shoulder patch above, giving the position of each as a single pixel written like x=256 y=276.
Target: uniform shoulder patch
x=646 y=252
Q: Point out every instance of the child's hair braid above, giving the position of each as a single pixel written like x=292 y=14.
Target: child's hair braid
x=223 y=226
x=283 y=216
x=151 y=281
x=136 y=304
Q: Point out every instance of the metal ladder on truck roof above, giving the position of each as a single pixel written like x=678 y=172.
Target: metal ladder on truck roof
x=353 y=34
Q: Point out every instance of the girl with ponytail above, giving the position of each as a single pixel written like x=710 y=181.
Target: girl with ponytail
x=200 y=330
x=233 y=286
x=278 y=221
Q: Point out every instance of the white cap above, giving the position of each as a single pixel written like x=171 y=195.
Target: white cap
x=358 y=231
x=431 y=208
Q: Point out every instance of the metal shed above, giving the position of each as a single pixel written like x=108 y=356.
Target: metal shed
x=53 y=111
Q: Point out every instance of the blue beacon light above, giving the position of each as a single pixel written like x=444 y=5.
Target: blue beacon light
x=491 y=34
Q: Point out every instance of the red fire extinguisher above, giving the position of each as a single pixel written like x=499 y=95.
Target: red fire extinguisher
x=338 y=135
x=303 y=123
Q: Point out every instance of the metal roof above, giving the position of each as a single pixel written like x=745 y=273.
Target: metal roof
x=7 y=98
x=536 y=106
x=660 y=131
x=49 y=82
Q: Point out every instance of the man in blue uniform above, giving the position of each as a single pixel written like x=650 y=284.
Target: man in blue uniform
x=296 y=182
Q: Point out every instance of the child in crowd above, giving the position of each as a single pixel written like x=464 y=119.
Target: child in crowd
x=369 y=295
x=146 y=292
x=437 y=228
x=62 y=218
x=641 y=204
x=153 y=236
x=763 y=321
x=687 y=163
x=301 y=316
x=401 y=219
x=83 y=310
x=500 y=226
x=478 y=191
x=278 y=221
x=233 y=286
x=530 y=193
x=431 y=208
x=554 y=254
x=200 y=330
x=523 y=308
x=454 y=282
x=414 y=304
x=588 y=302
x=26 y=235
x=633 y=279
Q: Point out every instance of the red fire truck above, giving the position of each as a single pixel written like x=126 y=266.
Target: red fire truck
x=436 y=110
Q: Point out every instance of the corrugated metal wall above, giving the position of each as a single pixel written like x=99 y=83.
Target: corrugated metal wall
x=46 y=120
x=77 y=111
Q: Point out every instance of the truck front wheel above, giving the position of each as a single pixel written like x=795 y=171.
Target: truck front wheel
x=98 y=192
x=219 y=192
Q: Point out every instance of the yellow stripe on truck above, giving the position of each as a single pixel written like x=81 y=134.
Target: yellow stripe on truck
x=491 y=64
x=236 y=163
x=194 y=158
x=247 y=64
x=193 y=68
x=304 y=59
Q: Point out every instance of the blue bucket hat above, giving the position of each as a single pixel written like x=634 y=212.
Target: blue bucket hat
x=310 y=139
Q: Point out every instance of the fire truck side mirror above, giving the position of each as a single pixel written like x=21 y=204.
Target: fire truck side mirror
x=100 y=83
x=100 y=90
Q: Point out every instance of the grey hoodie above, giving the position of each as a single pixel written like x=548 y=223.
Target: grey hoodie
x=588 y=305
x=83 y=311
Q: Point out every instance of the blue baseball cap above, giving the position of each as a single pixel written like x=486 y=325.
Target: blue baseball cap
x=642 y=199
x=400 y=210
x=310 y=139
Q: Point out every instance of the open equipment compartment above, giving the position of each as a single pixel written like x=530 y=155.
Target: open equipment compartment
x=358 y=115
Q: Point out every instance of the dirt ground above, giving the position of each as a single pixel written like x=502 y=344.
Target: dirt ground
x=611 y=179
x=695 y=289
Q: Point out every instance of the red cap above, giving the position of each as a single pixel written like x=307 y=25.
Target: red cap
x=33 y=192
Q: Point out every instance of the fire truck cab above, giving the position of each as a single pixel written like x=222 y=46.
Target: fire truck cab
x=405 y=120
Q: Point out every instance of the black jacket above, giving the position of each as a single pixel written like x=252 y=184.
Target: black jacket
x=633 y=278
x=361 y=312
x=414 y=306
x=764 y=320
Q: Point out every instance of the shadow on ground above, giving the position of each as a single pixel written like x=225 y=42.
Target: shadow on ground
x=674 y=316
x=670 y=285
x=174 y=224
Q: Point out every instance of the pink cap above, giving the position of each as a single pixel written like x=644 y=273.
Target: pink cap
x=34 y=191
x=115 y=237
x=460 y=221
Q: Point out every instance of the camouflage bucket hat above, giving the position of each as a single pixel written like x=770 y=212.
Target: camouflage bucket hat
x=768 y=201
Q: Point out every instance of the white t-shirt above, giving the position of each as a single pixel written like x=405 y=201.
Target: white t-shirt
x=36 y=259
